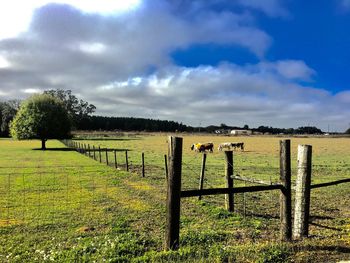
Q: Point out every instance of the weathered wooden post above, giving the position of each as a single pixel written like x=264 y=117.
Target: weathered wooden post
x=106 y=156
x=166 y=166
x=99 y=153
x=201 y=179
x=286 y=192
x=126 y=161
x=89 y=150
x=93 y=147
x=115 y=159
x=143 y=164
x=302 y=192
x=174 y=193
x=229 y=198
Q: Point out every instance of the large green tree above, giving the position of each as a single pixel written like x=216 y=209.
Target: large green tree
x=78 y=109
x=8 y=110
x=41 y=117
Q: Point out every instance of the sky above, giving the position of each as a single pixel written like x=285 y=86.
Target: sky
x=279 y=63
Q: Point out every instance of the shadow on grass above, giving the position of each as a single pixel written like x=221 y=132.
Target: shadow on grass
x=107 y=139
x=325 y=227
x=55 y=149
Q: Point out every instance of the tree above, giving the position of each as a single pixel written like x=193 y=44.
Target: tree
x=41 y=117
x=347 y=131
x=78 y=109
x=8 y=110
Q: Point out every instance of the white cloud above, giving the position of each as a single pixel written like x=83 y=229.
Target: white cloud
x=15 y=15
x=290 y=69
x=229 y=93
x=344 y=96
x=93 y=48
x=4 y=62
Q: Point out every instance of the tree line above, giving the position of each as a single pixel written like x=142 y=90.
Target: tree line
x=131 y=124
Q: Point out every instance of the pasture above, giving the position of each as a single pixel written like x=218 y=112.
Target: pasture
x=59 y=205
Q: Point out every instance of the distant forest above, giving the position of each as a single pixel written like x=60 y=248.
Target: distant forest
x=151 y=125
x=130 y=124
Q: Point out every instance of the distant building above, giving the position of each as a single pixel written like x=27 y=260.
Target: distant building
x=241 y=132
x=222 y=131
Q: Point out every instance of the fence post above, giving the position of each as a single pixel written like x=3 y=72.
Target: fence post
x=99 y=152
x=115 y=159
x=89 y=150
x=126 y=161
x=229 y=198
x=106 y=155
x=143 y=164
x=174 y=193
x=166 y=166
x=302 y=192
x=93 y=147
x=286 y=192
x=201 y=179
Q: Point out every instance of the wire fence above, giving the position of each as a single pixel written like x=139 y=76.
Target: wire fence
x=65 y=194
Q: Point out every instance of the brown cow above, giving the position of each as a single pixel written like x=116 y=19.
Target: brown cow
x=202 y=147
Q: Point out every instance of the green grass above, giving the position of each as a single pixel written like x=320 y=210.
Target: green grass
x=63 y=206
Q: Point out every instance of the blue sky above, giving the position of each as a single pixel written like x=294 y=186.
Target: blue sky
x=279 y=63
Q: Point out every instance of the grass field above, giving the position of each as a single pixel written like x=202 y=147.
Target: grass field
x=59 y=205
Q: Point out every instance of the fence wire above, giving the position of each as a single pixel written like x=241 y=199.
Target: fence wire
x=54 y=194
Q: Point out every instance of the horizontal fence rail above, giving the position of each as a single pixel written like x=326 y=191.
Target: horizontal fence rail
x=236 y=190
x=329 y=183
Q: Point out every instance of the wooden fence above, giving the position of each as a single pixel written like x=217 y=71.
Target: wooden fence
x=173 y=171
x=302 y=190
x=97 y=152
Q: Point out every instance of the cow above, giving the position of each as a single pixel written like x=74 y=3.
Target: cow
x=202 y=147
x=231 y=146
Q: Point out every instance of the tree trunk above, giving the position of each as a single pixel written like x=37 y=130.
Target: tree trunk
x=43 y=144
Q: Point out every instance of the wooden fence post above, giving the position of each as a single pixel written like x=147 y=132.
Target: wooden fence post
x=99 y=153
x=174 y=193
x=143 y=164
x=106 y=155
x=229 y=198
x=115 y=159
x=126 y=161
x=89 y=150
x=302 y=192
x=93 y=147
x=166 y=166
x=201 y=179
x=286 y=192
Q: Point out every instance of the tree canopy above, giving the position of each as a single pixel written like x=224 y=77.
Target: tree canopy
x=41 y=117
x=78 y=109
x=8 y=110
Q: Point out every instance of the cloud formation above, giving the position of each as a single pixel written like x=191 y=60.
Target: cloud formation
x=226 y=94
x=122 y=63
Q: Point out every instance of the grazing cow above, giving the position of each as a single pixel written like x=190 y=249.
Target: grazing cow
x=224 y=145
x=202 y=147
x=231 y=146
